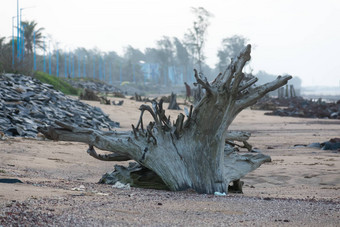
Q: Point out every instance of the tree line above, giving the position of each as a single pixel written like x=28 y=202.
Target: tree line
x=171 y=61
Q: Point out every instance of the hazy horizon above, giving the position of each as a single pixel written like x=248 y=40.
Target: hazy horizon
x=294 y=37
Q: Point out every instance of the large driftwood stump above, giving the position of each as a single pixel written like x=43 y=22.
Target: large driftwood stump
x=190 y=152
x=173 y=105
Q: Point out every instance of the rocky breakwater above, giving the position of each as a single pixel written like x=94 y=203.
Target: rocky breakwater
x=26 y=104
x=299 y=107
x=93 y=86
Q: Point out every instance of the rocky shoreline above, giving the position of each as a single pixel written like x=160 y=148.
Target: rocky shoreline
x=26 y=104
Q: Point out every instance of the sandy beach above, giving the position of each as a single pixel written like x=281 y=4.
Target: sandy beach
x=300 y=187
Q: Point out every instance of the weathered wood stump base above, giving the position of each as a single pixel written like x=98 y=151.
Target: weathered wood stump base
x=190 y=152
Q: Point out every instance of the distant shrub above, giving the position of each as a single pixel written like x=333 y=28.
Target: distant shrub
x=57 y=83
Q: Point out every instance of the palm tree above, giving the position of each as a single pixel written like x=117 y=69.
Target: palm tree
x=2 y=41
x=5 y=55
x=30 y=28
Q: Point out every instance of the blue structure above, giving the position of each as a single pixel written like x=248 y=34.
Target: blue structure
x=94 y=68
x=69 y=64
x=166 y=75
x=151 y=71
x=13 y=42
x=133 y=73
x=174 y=76
x=110 y=72
x=18 y=29
x=84 y=65
x=79 y=65
x=65 y=65
x=120 y=74
x=104 y=68
x=57 y=63
x=49 y=58
x=44 y=57
x=99 y=69
x=72 y=65
x=23 y=42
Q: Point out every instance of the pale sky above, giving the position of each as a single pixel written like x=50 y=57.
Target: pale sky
x=298 y=37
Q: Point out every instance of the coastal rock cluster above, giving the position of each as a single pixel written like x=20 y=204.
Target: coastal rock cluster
x=94 y=86
x=26 y=104
x=299 y=107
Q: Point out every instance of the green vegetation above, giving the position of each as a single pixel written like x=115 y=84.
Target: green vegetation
x=57 y=83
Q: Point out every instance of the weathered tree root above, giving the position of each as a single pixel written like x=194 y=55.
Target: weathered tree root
x=190 y=152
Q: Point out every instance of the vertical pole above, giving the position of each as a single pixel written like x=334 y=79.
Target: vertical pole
x=100 y=68
x=20 y=35
x=120 y=74
x=165 y=75
x=69 y=64
x=18 y=28
x=84 y=65
x=104 y=69
x=144 y=79
x=23 y=43
x=19 y=52
x=44 y=57
x=72 y=65
x=34 y=56
x=13 y=42
x=79 y=65
x=94 y=68
x=133 y=73
x=110 y=66
x=49 y=57
x=65 y=65
x=57 y=62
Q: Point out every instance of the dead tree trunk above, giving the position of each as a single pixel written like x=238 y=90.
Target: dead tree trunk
x=173 y=105
x=191 y=152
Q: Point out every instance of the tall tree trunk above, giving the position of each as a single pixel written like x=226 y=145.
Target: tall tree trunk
x=190 y=153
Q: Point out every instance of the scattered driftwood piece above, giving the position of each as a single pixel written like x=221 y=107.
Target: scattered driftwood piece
x=119 y=103
x=191 y=151
x=104 y=100
x=88 y=94
x=166 y=99
x=139 y=98
x=332 y=144
x=239 y=136
x=299 y=107
x=136 y=175
x=118 y=95
x=173 y=105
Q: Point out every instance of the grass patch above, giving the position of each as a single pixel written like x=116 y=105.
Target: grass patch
x=57 y=83
x=2 y=171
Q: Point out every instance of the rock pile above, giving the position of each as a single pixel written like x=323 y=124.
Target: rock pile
x=299 y=107
x=94 y=86
x=332 y=144
x=88 y=94
x=26 y=104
